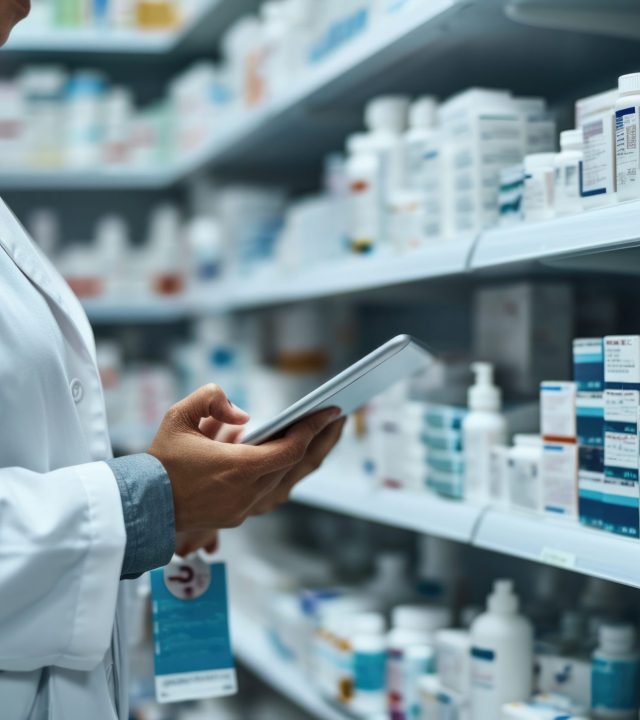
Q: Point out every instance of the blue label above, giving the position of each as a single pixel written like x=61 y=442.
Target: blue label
x=591 y=459
x=615 y=684
x=482 y=654
x=370 y=671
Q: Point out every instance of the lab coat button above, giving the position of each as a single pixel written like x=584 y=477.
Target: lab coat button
x=77 y=390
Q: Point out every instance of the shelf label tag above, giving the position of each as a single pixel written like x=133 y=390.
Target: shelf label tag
x=558 y=558
x=192 y=655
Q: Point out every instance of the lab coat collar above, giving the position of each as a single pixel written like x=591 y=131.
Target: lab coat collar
x=16 y=242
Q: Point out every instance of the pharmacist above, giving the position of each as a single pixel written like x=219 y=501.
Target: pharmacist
x=73 y=521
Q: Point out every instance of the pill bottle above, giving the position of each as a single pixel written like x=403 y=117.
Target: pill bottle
x=567 y=173
x=369 y=664
x=524 y=482
x=615 y=674
x=538 y=196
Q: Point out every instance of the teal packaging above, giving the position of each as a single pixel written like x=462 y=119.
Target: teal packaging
x=590 y=418
x=588 y=364
x=192 y=647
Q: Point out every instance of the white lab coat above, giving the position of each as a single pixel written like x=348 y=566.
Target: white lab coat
x=62 y=534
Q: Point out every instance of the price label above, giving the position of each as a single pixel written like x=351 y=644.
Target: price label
x=558 y=558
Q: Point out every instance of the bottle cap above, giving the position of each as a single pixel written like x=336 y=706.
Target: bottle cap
x=629 y=84
x=536 y=161
x=483 y=394
x=420 y=618
x=617 y=638
x=503 y=600
x=369 y=624
x=388 y=112
x=571 y=139
x=423 y=113
x=358 y=143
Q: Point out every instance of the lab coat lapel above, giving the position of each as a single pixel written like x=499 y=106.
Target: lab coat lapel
x=21 y=249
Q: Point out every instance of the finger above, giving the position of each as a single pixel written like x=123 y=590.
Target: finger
x=210 y=427
x=229 y=434
x=213 y=545
x=189 y=542
x=209 y=401
x=290 y=449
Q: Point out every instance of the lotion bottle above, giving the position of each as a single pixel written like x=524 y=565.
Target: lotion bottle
x=501 y=655
x=483 y=427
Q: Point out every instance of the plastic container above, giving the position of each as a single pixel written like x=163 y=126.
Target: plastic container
x=616 y=674
x=482 y=428
x=364 y=213
x=370 y=672
x=567 y=173
x=412 y=626
x=501 y=655
x=86 y=94
x=204 y=245
x=523 y=475
x=538 y=197
x=627 y=109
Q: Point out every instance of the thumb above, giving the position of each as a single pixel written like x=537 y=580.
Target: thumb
x=209 y=401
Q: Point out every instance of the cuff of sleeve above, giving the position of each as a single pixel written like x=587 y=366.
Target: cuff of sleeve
x=147 y=503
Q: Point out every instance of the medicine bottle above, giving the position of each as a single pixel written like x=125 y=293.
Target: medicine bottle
x=482 y=428
x=524 y=481
x=412 y=626
x=369 y=664
x=627 y=111
x=567 y=173
x=364 y=208
x=615 y=674
x=538 y=196
x=501 y=654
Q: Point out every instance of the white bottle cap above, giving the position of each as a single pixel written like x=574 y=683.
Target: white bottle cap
x=618 y=638
x=388 y=112
x=369 y=624
x=629 y=84
x=483 y=394
x=359 y=143
x=526 y=440
x=537 y=161
x=420 y=618
x=503 y=600
x=204 y=231
x=423 y=113
x=571 y=139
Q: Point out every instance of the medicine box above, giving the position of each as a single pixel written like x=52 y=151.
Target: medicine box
x=588 y=364
x=591 y=495
x=560 y=478
x=453 y=659
x=590 y=418
x=558 y=410
x=567 y=676
x=622 y=362
x=621 y=498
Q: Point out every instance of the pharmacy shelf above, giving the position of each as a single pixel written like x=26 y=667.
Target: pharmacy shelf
x=561 y=543
x=585 y=240
x=351 y=275
x=199 y=32
x=342 y=486
x=144 y=310
x=59 y=180
x=252 y=647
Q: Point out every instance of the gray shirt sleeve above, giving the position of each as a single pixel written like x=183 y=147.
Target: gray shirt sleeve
x=147 y=503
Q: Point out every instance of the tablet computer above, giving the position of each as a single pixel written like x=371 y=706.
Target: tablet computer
x=396 y=360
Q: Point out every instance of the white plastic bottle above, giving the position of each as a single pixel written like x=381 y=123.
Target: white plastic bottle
x=627 y=109
x=567 y=173
x=364 y=211
x=501 y=655
x=538 y=197
x=616 y=674
x=524 y=481
x=482 y=428
x=412 y=626
x=369 y=665
x=204 y=244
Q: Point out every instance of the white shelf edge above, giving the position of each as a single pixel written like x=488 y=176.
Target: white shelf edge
x=252 y=647
x=342 y=486
x=147 y=179
x=105 y=40
x=147 y=310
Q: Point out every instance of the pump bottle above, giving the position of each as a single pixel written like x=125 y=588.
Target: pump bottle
x=482 y=428
x=501 y=654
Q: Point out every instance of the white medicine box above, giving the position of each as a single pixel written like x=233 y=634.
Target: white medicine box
x=622 y=361
x=558 y=410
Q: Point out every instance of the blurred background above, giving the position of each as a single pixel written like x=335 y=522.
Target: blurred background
x=256 y=193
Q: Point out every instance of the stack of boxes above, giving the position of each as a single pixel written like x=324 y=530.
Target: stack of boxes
x=559 y=468
x=620 y=506
x=442 y=436
x=588 y=371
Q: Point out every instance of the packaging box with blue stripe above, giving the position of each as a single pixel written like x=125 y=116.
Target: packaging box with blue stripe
x=621 y=490
x=588 y=372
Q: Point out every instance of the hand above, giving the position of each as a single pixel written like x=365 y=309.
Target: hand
x=190 y=542
x=317 y=451
x=219 y=484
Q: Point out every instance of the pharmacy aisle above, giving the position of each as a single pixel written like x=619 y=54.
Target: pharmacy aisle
x=257 y=193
